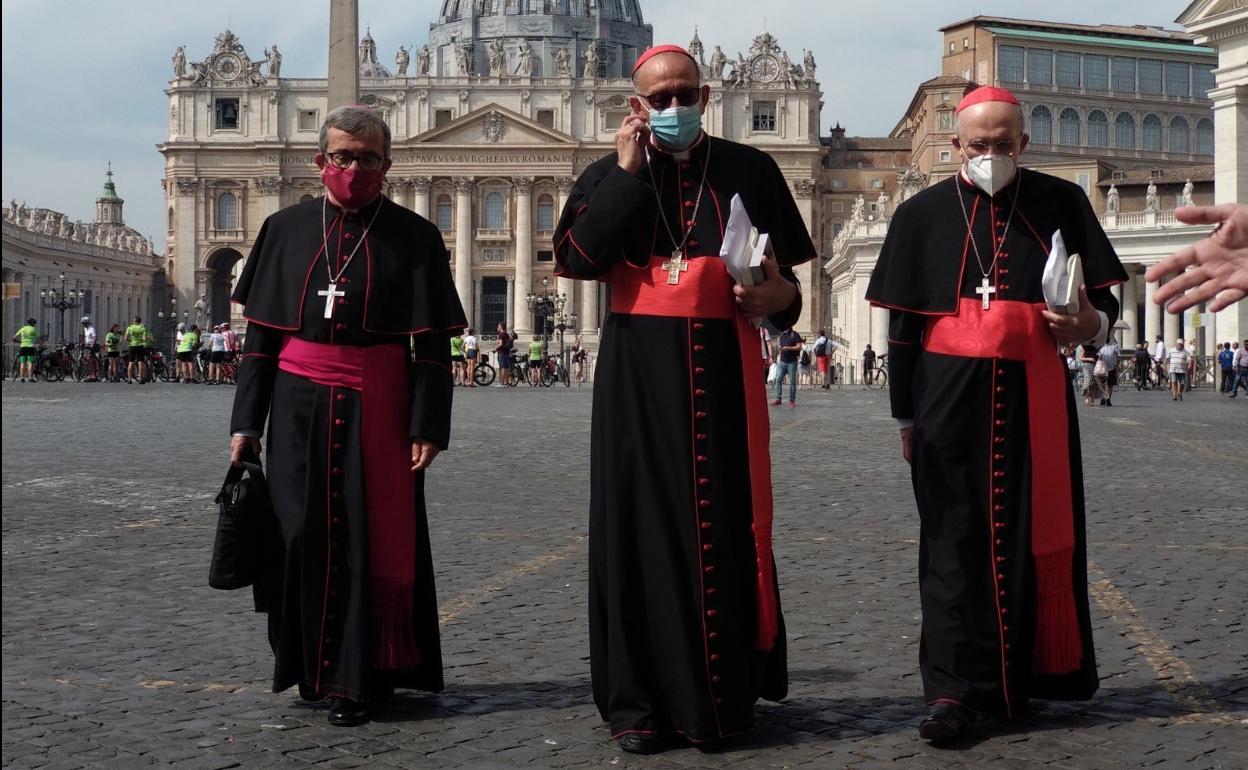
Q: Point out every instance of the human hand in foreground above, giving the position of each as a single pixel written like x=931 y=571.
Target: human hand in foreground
x=771 y=296
x=1077 y=328
x=241 y=447
x=1214 y=268
x=907 y=443
x=423 y=453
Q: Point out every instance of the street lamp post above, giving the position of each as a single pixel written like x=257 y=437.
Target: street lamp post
x=61 y=302
x=549 y=307
x=168 y=322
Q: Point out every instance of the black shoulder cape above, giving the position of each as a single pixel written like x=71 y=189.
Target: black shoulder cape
x=409 y=286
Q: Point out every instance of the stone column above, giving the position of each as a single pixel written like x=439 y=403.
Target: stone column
x=269 y=188
x=566 y=286
x=420 y=194
x=522 y=319
x=186 y=246
x=344 y=62
x=478 y=288
x=879 y=335
x=511 y=302
x=463 y=242
x=1173 y=324
x=810 y=274
x=1152 y=315
x=1117 y=291
x=588 y=321
x=1130 y=309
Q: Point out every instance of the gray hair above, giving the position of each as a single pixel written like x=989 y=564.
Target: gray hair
x=355 y=120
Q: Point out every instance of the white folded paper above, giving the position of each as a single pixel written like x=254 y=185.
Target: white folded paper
x=1062 y=278
x=743 y=246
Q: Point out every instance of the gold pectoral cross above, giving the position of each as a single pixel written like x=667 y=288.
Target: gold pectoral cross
x=675 y=266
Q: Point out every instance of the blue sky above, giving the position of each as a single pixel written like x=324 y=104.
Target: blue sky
x=83 y=81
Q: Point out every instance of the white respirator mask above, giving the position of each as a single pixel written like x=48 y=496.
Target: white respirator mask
x=991 y=173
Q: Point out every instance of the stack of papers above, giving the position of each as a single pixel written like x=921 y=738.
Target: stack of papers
x=1062 y=278
x=743 y=246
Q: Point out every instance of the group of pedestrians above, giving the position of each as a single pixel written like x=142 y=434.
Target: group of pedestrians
x=1094 y=371
x=466 y=357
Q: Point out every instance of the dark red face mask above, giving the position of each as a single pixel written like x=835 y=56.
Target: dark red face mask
x=353 y=187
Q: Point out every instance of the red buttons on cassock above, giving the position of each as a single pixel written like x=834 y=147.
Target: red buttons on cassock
x=715 y=678
x=999 y=541
x=699 y=392
x=1003 y=270
x=712 y=591
x=693 y=244
x=713 y=635
x=337 y=495
x=340 y=421
x=341 y=301
x=1001 y=372
x=1005 y=628
x=325 y=664
x=714 y=656
x=1002 y=593
x=998 y=456
x=346 y=235
x=998 y=508
x=704 y=480
x=701 y=437
x=998 y=490
x=699 y=370
x=1003 y=286
x=698 y=326
x=1000 y=576
x=708 y=569
x=337 y=471
x=701 y=458
x=998 y=440
x=337 y=446
x=700 y=415
x=688 y=204
x=342 y=397
x=1000 y=388
x=337 y=519
x=1000 y=559
x=1000 y=405
x=998 y=474
x=999 y=524
x=698 y=348
x=707 y=547
x=340 y=327
x=704 y=503
x=690 y=223
x=686 y=184
x=999 y=423
x=712 y=613
x=706 y=525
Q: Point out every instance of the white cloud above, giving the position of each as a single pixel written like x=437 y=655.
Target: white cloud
x=83 y=81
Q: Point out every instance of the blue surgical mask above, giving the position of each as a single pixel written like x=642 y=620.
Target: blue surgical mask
x=676 y=128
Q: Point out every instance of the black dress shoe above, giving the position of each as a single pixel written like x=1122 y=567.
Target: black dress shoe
x=946 y=722
x=646 y=743
x=347 y=713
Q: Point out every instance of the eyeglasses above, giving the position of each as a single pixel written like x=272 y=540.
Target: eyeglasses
x=685 y=97
x=369 y=161
x=1003 y=147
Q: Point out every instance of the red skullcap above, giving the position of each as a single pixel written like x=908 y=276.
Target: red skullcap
x=986 y=94
x=658 y=49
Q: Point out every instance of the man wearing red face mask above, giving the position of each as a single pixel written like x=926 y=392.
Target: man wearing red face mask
x=334 y=290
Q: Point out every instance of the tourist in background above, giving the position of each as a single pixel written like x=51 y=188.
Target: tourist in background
x=535 y=362
x=90 y=349
x=1241 y=368
x=112 y=352
x=1177 y=360
x=1108 y=355
x=790 y=353
x=188 y=347
x=1143 y=365
x=136 y=338
x=1226 y=362
x=471 y=346
x=27 y=339
x=579 y=356
x=823 y=354
x=503 y=351
x=1160 y=361
x=457 y=359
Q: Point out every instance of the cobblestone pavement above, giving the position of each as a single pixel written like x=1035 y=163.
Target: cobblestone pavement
x=118 y=655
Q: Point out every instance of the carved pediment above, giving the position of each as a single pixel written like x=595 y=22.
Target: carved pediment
x=493 y=124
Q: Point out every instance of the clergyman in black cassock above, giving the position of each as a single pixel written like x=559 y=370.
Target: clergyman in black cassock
x=353 y=377
x=989 y=419
x=685 y=626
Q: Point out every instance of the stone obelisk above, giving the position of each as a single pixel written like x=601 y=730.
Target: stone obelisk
x=344 y=65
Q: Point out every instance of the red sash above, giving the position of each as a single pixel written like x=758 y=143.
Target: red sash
x=1016 y=331
x=705 y=291
x=379 y=374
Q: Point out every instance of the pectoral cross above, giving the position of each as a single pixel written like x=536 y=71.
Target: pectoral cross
x=675 y=266
x=984 y=288
x=330 y=294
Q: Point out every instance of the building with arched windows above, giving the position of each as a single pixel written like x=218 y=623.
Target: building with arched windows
x=111 y=267
x=492 y=120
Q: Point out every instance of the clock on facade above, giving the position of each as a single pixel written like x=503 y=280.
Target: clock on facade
x=765 y=68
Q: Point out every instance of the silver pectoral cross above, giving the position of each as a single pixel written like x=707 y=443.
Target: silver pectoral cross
x=330 y=294
x=985 y=288
x=675 y=267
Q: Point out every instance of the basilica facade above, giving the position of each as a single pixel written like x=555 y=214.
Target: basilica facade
x=492 y=120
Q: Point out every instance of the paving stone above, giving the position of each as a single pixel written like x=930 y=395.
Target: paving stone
x=117 y=654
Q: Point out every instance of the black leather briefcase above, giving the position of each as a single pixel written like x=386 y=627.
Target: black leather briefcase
x=245 y=524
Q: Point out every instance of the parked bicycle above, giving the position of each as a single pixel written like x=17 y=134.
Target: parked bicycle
x=554 y=371
x=877 y=377
x=485 y=373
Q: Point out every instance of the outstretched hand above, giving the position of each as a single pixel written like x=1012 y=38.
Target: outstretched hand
x=771 y=296
x=1214 y=268
x=423 y=453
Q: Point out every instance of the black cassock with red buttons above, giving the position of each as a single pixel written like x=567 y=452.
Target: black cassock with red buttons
x=672 y=603
x=395 y=290
x=972 y=459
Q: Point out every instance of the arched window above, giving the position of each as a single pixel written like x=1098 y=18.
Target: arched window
x=495 y=218
x=1124 y=131
x=1180 y=141
x=1068 y=127
x=1098 y=129
x=1204 y=136
x=227 y=212
x=545 y=213
x=1152 y=133
x=1041 y=125
x=171 y=219
x=443 y=213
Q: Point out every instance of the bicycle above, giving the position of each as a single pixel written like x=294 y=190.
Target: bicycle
x=484 y=375
x=876 y=378
x=554 y=371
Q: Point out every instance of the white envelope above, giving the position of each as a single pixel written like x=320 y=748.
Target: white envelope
x=1062 y=277
x=743 y=246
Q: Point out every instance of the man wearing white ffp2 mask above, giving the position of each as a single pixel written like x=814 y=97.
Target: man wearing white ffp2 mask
x=990 y=137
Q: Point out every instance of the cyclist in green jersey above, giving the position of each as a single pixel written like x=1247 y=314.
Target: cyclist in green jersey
x=187 y=349
x=112 y=350
x=136 y=336
x=27 y=338
x=457 y=359
x=535 y=362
